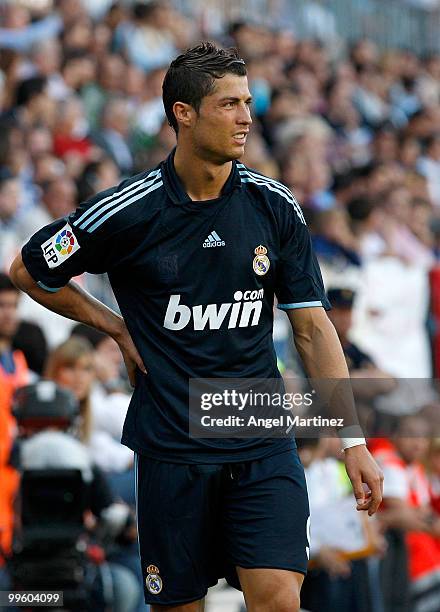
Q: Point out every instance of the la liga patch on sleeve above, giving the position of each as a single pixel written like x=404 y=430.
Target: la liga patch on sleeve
x=60 y=247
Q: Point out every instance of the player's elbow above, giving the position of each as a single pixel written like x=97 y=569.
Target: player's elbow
x=20 y=276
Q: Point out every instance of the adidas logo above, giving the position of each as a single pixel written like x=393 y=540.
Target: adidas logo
x=213 y=240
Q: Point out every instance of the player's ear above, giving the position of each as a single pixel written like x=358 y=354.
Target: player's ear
x=184 y=114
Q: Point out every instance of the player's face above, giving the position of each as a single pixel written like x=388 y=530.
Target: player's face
x=223 y=122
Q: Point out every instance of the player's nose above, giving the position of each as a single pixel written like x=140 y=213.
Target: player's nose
x=244 y=115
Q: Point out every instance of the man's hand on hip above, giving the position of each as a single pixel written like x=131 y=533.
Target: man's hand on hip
x=132 y=359
x=363 y=469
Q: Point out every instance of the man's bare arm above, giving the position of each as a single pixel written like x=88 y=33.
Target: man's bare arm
x=74 y=303
x=321 y=353
x=317 y=343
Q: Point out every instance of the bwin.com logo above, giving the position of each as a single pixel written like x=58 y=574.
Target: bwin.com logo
x=213 y=240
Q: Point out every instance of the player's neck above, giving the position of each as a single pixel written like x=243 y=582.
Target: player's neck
x=203 y=180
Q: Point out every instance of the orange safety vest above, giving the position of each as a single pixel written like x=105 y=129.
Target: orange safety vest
x=423 y=548
x=9 y=478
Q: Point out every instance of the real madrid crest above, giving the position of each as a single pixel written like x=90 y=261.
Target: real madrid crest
x=261 y=263
x=153 y=580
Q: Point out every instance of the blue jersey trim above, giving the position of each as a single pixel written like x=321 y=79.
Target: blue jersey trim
x=46 y=288
x=299 y=305
x=260 y=179
x=114 y=199
x=127 y=198
x=113 y=211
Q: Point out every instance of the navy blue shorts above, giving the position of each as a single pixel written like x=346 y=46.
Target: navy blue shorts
x=196 y=523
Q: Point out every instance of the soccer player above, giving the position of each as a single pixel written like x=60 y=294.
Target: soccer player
x=195 y=250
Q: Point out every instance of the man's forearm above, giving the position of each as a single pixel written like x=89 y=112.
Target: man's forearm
x=319 y=348
x=71 y=301
x=324 y=362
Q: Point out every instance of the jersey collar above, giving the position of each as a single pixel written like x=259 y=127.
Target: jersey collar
x=174 y=186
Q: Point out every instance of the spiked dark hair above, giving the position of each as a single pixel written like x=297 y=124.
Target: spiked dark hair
x=191 y=76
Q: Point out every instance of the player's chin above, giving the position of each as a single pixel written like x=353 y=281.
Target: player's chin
x=236 y=151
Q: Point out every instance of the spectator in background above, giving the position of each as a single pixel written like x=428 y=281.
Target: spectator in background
x=333 y=240
x=97 y=176
x=428 y=80
x=109 y=400
x=407 y=507
x=45 y=61
x=47 y=167
x=360 y=365
x=370 y=97
x=150 y=113
x=113 y=137
x=71 y=131
x=420 y=224
x=341 y=315
x=108 y=361
x=14 y=373
x=409 y=151
x=333 y=582
x=110 y=82
x=31 y=341
x=429 y=166
x=77 y=70
x=150 y=38
x=72 y=366
x=9 y=199
x=368 y=380
x=58 y=199
x=49 y=444
x=20 y=34
x=433 y=470
x=396 y=227
x=34 y=106
x=9 y=205
x=38 y=141
x=367 y=218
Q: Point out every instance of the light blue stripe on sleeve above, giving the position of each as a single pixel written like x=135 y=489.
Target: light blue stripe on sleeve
x=46 y=288
x=113 y=211
x=299 y=305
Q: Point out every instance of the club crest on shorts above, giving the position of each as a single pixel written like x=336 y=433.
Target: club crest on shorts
x=261 y=263
x=153 y=580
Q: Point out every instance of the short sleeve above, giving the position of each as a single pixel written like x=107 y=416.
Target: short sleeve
x=88 y=240
x=299 y=280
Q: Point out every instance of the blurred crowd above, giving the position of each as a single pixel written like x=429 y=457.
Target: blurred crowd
x=352 y=130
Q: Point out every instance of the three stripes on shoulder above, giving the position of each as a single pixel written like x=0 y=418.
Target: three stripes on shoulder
x=112 y=204
x=102 y=210
x=252 y=177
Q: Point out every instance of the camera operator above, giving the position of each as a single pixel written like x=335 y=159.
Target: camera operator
x=45 y=443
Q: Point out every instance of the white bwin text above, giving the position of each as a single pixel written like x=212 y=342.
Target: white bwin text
x=244 y=312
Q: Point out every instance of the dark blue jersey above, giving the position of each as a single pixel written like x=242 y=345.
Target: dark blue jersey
x=195 y=282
